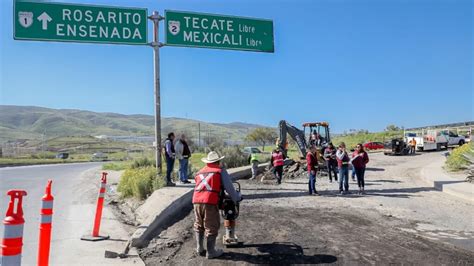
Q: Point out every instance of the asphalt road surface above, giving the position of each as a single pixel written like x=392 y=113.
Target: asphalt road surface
x=67 y=182
x=399 y=221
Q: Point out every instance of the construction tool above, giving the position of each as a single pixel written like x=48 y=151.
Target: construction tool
x=124 y=254
x=399 y=147
x=230 y=212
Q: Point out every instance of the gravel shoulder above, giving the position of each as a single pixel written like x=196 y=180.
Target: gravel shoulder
x=399 y=221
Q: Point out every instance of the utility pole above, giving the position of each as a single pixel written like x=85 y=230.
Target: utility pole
x=155 y=17
x=44 y=142
x=209 y=135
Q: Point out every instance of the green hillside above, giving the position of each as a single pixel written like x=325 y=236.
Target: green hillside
x=29 y=122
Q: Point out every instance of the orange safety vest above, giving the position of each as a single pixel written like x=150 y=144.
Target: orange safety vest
x=278 y=159
x=208 y=185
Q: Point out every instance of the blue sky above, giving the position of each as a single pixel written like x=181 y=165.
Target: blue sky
x=357 y=64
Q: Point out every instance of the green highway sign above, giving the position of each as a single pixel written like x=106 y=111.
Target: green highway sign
x=217 y=31
x=46 y=21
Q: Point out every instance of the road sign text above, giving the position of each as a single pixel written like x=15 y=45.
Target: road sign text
x=215 y=31
x=67 y=22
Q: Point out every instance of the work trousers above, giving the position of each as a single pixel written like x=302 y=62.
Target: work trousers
x=332 y=169
x=360 y=172
x=169 y=168
x=207 y=219
x=254 y=168
x=344 y=178
x=312 y=183
x=278 y=172
x=183 y=169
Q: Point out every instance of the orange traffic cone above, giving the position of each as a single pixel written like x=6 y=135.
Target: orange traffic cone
x=12 y=242
x=98 y=213
x=45 y=226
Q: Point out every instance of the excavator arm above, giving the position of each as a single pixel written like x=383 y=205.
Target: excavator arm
x=296 y=134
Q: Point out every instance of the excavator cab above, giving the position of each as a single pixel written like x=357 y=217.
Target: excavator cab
x=318 y=134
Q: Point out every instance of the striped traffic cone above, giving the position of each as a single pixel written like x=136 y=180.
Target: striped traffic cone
x=12 y=242
x=45 y=226
x=98 y=213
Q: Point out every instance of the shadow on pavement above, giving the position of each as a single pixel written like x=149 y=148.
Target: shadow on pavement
x=295 y=182
x=117 y=239
x=275 y=189
x=275 y=195
x=391 y=193
x=375 y=169
x=441 y=183
x=278 y=253
x=385 y=181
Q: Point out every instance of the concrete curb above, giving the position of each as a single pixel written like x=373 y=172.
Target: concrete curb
x=165 y=206
x=435 y=176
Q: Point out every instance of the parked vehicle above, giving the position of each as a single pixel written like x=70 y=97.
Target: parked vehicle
x=62 y=155
x=99 y=156
x=265 y=156
x=250 y=150
x=453 y=138
x=373 y=145
x=432 y=139
x=398 y=147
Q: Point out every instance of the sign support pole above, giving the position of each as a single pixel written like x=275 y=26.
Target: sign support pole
x=155 y=17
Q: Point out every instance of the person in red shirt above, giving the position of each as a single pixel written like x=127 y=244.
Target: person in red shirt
x=277 y=161
x=359 y=160
x=312 y=167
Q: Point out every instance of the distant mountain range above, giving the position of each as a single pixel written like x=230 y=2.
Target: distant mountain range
x=31 y=122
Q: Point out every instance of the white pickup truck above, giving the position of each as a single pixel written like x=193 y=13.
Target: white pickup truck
x=453 y=138
x=434 y=139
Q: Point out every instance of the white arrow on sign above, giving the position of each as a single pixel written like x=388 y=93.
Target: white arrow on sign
x=45 y=18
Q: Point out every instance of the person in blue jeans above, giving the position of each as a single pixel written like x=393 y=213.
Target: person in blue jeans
x=312 y=166
x=353 y=174
x=170 y=156
x=360 y=158
x=343 y=165
x=182 y=154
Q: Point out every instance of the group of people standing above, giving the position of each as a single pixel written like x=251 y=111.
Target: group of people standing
x=337 y=164
x=177 y=149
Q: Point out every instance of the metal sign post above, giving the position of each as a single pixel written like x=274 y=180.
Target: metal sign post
x=155 y=17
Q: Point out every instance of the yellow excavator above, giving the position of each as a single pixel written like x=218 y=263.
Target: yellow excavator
x=317 y=135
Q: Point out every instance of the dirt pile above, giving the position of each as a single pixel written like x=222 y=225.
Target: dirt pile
x=291 y=170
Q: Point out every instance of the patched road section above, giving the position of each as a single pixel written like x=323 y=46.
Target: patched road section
x=283 y=225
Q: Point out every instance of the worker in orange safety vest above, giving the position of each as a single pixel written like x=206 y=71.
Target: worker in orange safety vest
x=210 y=181
x=277 y=161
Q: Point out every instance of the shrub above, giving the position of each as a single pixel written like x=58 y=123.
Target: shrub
x=43 y=155
x=139 y=182
x=142 y=162
x=234 y=157
x=456 y=160
x=158 y=182
x=115 y=166
x=191 y=170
